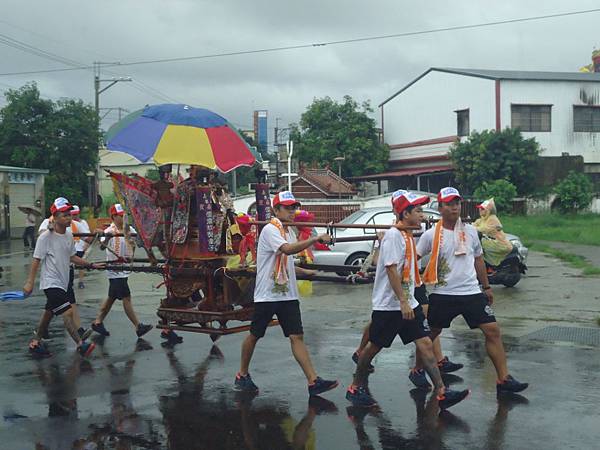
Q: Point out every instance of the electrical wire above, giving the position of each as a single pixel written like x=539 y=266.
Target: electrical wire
x=319 y=44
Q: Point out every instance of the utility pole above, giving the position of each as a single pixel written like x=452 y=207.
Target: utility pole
x=97 y=91
x=339 y=160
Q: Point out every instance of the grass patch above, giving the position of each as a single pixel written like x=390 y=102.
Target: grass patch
x=576 y=261
x=577 y=229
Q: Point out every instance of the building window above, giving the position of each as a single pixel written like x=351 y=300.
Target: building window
x=586 y=118
x=462 y=122
x=531 y=117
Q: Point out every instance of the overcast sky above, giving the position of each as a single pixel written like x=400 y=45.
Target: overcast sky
x=285 y=82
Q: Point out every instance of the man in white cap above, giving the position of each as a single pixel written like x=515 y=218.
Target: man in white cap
x=81 y=244
x=396 y=312
x=276 y=294
x=416 y=375
x=119 y=250
x=54 y=252
x=457 y=272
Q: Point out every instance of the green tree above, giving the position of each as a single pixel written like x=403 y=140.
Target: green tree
x=329 y=129
x=574 y=193
x=59 y=136
x=491 y=155
x=503 y=192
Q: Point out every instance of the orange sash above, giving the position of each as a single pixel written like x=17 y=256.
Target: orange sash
x=410 y=259
x=280 y=275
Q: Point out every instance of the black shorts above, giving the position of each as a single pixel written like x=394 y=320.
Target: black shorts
x=421 y=295
x=56 y=301
x=474 y=308
x=80 y=253
x=386 y=325
x=118 y=288
x=70 y=291
x=287 y=312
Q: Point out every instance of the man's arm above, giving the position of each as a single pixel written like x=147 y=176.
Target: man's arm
x=396 y=282
x=28 y=287
x=82 y=262
x=483 y=278
x=297 y=247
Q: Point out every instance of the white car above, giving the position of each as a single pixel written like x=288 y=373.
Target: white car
x=354 y=253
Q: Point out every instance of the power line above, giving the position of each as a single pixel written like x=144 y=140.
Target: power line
x=320 y=44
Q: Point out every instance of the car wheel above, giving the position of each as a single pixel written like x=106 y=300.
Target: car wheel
x=356 y=259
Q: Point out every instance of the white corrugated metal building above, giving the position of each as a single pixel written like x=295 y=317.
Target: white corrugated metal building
x=561 y=110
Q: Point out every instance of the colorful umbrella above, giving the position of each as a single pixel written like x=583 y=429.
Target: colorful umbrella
x=180 y=134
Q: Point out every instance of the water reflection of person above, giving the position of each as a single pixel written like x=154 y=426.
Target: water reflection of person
x=257 y=425
x=61 y=393
x=497 y=427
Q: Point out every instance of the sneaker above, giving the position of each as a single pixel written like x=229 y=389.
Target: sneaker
x=245 y=383
x=360 y=396
x=84 y=334
x=99 y=328
x=419 y=379
x=320 y=385
x=371 y=367
x=171 y=336
x=81 y=285
x=447 y=366
x=86 y=349
x=510 y=385
x=451 y=398
x=39 y=349
x=142 y=329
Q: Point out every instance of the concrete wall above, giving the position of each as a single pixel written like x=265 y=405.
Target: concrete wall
x=562 y=96
x=426 y=111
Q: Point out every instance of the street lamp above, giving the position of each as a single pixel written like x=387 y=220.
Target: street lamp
x=339 y=160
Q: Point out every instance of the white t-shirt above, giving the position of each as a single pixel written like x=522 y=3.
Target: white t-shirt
x=82 y=227
x=119 y=246
x=392 y=250
x=44 y=226
x=54 y=251
x=456 y=274
x=30 y=220
x=269 y=243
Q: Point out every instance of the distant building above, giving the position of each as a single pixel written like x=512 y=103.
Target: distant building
x=19 y=186
x=421 y=121
x=321 y=184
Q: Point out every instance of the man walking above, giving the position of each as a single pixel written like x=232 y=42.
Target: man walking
x=119 y=249
x=396 y=312
x=276 y=293
x=81 y=244
x=456 y=270
x=54 y=252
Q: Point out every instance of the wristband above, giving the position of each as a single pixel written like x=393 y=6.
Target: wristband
x=485 y=288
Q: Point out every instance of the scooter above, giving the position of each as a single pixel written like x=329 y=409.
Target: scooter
x=509 y=271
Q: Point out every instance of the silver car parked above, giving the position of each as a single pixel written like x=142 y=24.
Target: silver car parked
x=354 y=253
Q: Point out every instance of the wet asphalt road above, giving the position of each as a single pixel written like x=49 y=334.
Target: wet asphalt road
x=139 y=394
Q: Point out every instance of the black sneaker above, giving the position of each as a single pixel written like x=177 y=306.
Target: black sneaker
x=371 y=367
x=171 y=336
x=510 y=385
x=99 y=328
x=447 y=366
x=245 y=383
x=320 y=385
x=451 y=398
x=142 y=329
x=86 y=349
x=360 y=396
x=39 y=349
x=84 y=334
x=419 y=379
